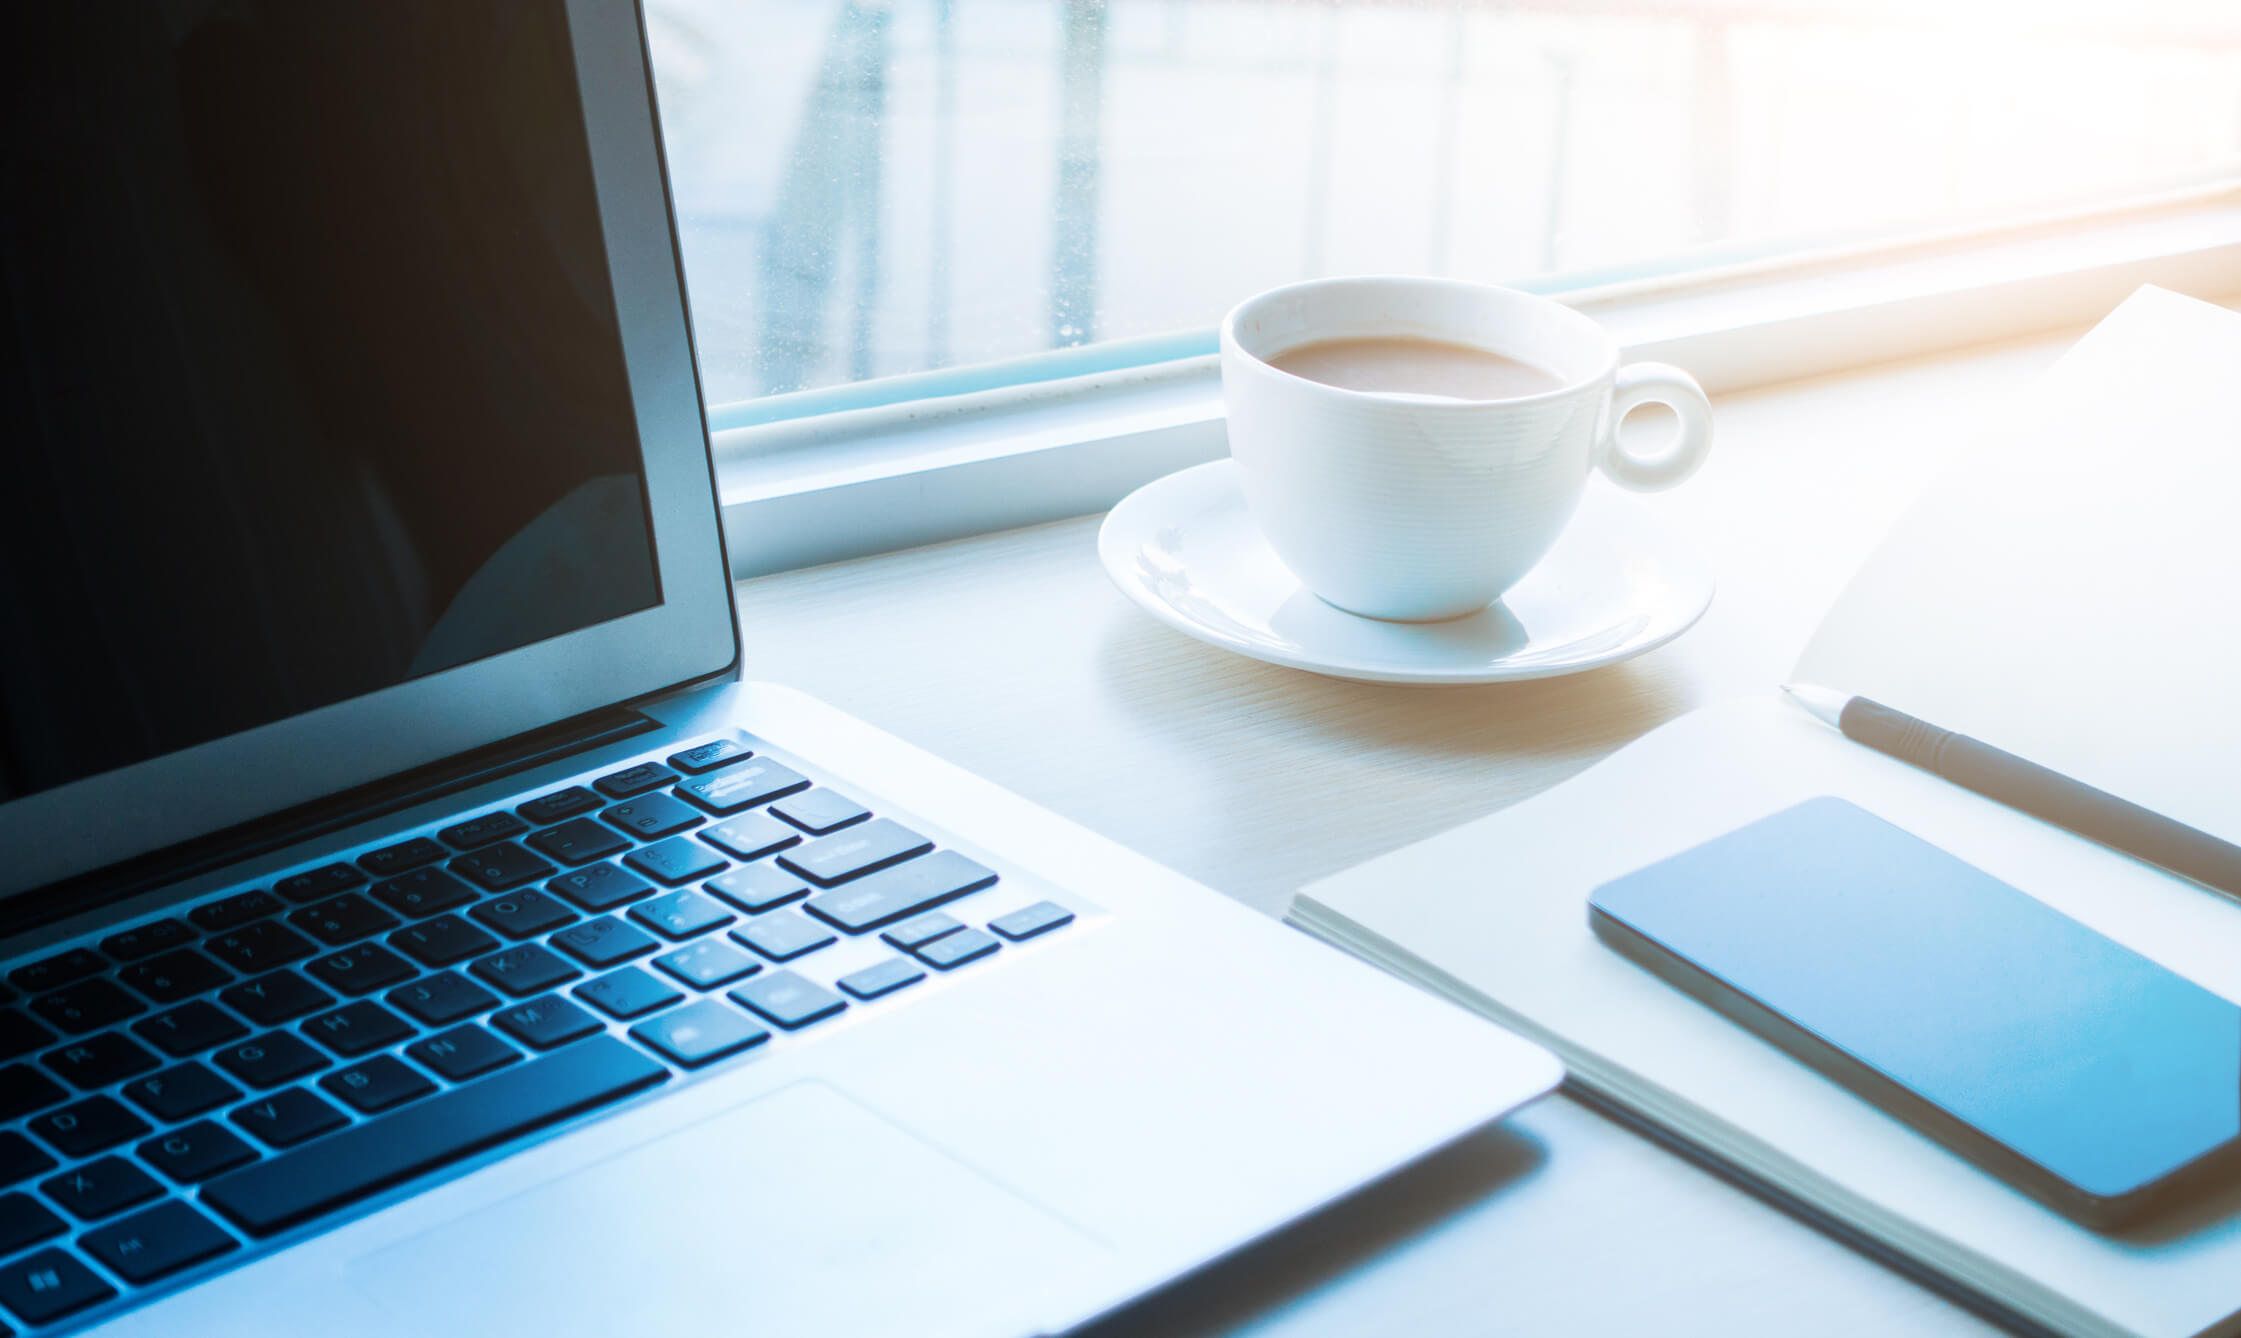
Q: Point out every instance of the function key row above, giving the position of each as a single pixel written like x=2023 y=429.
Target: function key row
x=482 y=830
x=707 y=757
x=318 y=884
x=634 y=780
x=386 y=863
x=550 y=808
x=743 y=786
x=149 y=939
x=389 y=861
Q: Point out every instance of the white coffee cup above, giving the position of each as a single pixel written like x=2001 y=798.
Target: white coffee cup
x=1415 y=509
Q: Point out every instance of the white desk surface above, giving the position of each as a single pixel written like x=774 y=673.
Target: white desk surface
x=1012 y=655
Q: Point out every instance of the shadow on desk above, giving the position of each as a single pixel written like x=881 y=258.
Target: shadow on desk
x=1233 y=1293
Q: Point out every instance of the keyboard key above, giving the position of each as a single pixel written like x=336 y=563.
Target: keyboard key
x=423 y=892
x=442 y=941
x=783 y=935
x=604 y=942
x=703 y=758
x=317 y=883
x=920 y=929
x=189 y=1029
x=25 y=1221
x=634 y=780
x=820 y=811
x=179 y=974
x=389 y=861
x=24 y=1089
x=376 y=1084
x=279 y=1192
x=95 y=1124
x=156 y=1243
x=20 y=1035
x=523 y=914
x=681 y=915
x=259 y=947
x=360 y=970
x=49 y=1285
x=579 y=842
x=700 y=1033
x=273 y=999
x=751 y=836
x=680 y=859
x=559 y=804
x=708 y=963
x=901 y=892
x=743 y=786
x=100 y=1188
x=441 y=999
x=20 y=1158
x=180 y=1092
x=482 y=830
x=544 y=1023
x=652 y=817
x=60 y=969
x=951 y=951
x=86 y=1006
x=758 y=887
x=885 y=978
x=147 y=940
x=463 y=1052
x=232 y=912
x=98 y=1060
x=270 y=1060
x=831 y=860
x=502 y=867
x=344 y=919
x=788 y=1000
x=195 y=1152
x=1028 y=921
x=288 y=1117
x=524 y=970
x=628 y=993
x=602 y=887
x=356 y=1028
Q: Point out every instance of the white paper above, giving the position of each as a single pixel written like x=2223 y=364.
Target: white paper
x=2072 y=591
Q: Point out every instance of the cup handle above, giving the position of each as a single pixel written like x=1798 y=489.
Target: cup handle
x=1656 y=383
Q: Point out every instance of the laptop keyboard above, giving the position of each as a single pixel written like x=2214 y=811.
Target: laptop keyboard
x=187 y=1086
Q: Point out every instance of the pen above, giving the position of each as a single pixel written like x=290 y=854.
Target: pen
x=2047 y=795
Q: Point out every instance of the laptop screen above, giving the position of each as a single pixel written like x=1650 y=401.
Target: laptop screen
x=312 y=380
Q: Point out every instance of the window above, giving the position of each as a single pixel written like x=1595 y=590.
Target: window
x=990 y=191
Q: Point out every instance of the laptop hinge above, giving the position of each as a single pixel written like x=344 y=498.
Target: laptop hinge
x=190 y=859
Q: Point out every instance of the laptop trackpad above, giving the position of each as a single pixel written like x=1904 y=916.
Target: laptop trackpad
x=798 y=1213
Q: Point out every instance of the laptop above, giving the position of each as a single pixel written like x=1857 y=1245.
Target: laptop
x=410 y=919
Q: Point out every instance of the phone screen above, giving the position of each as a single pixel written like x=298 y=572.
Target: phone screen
x=2080 y=1069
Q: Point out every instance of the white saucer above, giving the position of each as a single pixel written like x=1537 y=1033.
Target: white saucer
x=1617 y=583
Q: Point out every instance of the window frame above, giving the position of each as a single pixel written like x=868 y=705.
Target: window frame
x=896 y=464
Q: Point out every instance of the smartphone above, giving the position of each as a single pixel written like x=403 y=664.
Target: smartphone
x=2051 y=1056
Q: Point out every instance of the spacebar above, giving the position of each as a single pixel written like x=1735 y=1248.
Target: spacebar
x=275 y=1194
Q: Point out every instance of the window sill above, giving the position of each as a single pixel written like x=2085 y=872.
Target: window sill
x=811 y=490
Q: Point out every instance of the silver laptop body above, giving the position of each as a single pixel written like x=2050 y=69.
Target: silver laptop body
x=802 y=1029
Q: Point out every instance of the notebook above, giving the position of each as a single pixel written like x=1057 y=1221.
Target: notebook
x=2067 y=592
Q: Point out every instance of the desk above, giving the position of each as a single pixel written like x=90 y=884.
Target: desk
x=1012 y=655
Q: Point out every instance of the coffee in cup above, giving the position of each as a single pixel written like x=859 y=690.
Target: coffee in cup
x=1411 y=447
x=1406 y=365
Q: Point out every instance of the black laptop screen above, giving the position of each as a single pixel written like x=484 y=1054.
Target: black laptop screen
x=310 y=382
